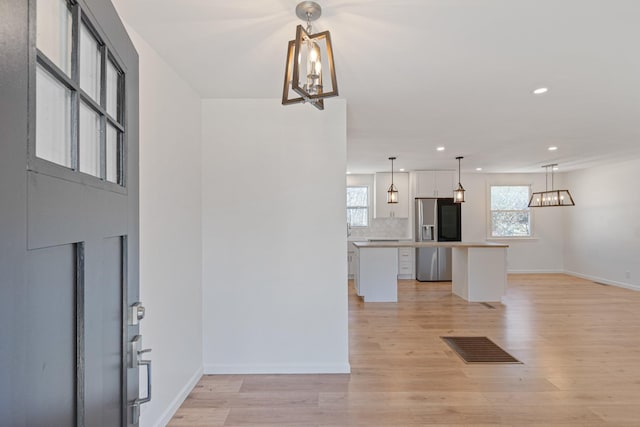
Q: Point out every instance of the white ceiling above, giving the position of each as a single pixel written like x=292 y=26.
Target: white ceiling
x=418 y=74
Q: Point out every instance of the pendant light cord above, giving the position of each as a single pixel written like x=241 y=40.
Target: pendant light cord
x=392 y=171
x=546 y=177
x=459 y=158
x=392 y=159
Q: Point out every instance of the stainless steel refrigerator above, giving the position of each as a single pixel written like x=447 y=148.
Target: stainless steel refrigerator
x=437 y=220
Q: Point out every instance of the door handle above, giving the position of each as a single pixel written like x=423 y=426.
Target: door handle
x=135 y=405
x=146 y=399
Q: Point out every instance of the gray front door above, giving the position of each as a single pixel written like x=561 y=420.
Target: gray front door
x=68 y=215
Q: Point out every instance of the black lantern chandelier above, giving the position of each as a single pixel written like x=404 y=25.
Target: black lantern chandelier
x=551 y=197
x=306 y=57
x=458 y=193
x=392 y=192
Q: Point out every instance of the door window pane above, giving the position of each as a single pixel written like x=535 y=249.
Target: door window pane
x=89 y=144
x=53 y=27
x=79 y=95
x=53 y=119
x=90 y=63
x=113 y=138
x=113 y=80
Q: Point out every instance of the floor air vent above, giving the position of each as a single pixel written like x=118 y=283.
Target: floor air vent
x=479 y=350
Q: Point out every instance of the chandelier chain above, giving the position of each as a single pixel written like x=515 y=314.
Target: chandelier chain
x=308 y=22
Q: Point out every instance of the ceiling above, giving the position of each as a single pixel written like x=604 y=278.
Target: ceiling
x=418 y=74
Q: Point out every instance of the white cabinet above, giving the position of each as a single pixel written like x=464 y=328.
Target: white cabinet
x=434 y=183
x=351 y=259
x=405 y=263
x=355 y=262
x=391 y=210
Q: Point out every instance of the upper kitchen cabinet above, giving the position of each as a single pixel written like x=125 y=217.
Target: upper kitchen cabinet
x=434 y=183
x=391 y=210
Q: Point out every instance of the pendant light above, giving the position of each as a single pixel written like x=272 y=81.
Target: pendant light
x=392 y=192
x=458 y=194
x=306 y=57
x=551 y=197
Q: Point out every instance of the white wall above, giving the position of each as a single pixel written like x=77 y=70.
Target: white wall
x=603 y=229
x=274 y=237
x=170 y=232
x=541 y=254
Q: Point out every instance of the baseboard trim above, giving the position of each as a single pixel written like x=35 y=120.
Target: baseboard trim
x=603 y=280
x=214 y=368
x=179 y=399
x=535 y=271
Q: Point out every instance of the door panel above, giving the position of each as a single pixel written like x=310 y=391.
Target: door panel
x=51 y=357
x=65 y=280
x=449 y=221
x=427 y=264
x=61 y=211
x=103 y=346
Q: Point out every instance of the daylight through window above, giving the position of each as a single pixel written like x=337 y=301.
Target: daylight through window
x=510 y=214
x=358 y=206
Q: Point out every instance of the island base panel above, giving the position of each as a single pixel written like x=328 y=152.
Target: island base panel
x=378 y=274
x=480 y=274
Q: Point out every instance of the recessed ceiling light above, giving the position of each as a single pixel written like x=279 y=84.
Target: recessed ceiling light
x=478 y=169
x=540 y=90
x=555 y=168
x=552 y=148
x=440 y=148
x=348 y=173
x=401 y=169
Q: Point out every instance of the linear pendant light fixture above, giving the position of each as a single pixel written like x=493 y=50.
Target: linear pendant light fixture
x=551 y=197
x=458 y=194
x=306 y=57
x=392 y=192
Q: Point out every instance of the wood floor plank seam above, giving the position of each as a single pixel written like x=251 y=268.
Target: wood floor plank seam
x=578 y=342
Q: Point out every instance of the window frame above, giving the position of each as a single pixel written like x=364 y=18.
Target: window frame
x=79 y=16
x=368 y=207
x=490 y=211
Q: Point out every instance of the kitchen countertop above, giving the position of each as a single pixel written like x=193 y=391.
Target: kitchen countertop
x=352 y=239
x=411 y=244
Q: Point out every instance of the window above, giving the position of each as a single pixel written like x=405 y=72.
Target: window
x=510 y=215
x=79 y=120
x=358 y=206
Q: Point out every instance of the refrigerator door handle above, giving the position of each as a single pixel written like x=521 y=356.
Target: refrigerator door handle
x=420 y=220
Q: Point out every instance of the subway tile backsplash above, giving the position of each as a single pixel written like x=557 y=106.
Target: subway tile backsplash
x=384 y=227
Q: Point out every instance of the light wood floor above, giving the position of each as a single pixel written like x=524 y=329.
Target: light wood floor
x=579 y=341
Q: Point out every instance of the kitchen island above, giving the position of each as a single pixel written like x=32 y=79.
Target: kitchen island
x=479 y=269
